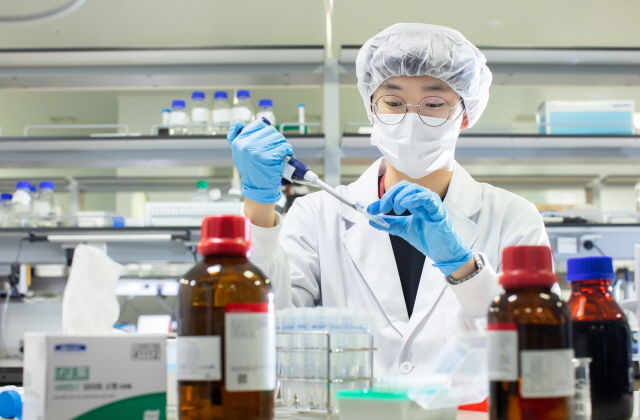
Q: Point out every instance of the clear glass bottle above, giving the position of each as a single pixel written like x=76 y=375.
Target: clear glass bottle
x=202 y=192
x=601 y=332
x=178 y=118
x=221 y=113
x=200 y=114
x=226 y=329
x=265 y=110
x=21 y=205
x=242 y=110
x=529 y=343
x=44 y=206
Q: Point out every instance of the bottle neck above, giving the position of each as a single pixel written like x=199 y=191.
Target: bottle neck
x=600 y=287
x=225 y=259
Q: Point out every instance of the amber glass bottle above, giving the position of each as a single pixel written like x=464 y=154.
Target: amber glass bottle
x=531 y=372
x=601 y=332
x=226 y=329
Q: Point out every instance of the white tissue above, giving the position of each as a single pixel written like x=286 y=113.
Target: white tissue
x=90 y=305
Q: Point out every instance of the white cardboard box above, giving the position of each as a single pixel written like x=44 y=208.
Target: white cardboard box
x=94 y=377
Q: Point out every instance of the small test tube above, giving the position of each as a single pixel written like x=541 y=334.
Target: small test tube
x=301 y=118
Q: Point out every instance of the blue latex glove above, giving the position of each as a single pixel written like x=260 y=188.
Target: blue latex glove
x=428 y=228
x=258 y=150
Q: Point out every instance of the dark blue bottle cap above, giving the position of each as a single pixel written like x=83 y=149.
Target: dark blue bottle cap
x=243 y=94
x=197 y=95
x=178 y=104
x=265 y=102
x=6 y=196
x=10 y=404
x=590 y=268
x=221 y=94
x=23 y=185
x=47 y=184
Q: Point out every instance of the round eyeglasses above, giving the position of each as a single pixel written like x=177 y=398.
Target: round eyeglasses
x=432 y=110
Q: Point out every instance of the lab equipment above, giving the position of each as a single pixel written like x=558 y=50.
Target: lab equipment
x=202 y=192
x=417 y=49
x=119 y=376
x=226 y=296
x=601 y=332
x=21 y=204
x=582 y=401
x=257 y=150
x=200 y=114
x=428 y=228
x=265 y=110
x=374 y=404
x=586 y=117
x=11 y=402
x=178 y=118
x=44 y=206
x=221 y=112
x=301 y=118
x=166 y=116
x=531 y=371
x=322 y=350
x=5 y=210
x=242 y=110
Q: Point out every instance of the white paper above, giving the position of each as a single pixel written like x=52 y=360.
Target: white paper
x=90 y=305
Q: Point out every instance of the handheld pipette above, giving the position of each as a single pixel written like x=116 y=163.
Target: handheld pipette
x=298 y=172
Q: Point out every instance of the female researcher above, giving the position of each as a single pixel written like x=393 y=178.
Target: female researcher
x=433 y=270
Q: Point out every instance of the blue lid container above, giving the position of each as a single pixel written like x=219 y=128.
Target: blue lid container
x=6 y=196
x=47 y=184
x=23 y=185
x=178 y=104
x=197 y=95
x=221 y=94
x=590 y=268
x=10 y=405
x=243 y=94
x=265 y=102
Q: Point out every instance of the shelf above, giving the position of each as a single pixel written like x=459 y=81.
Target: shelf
x=544 y=66
x=524 y=147
x=165 y=68
x=140 y=151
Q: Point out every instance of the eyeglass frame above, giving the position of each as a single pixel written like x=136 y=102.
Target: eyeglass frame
x=374 y=108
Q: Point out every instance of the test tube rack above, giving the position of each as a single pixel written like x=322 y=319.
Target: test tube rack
x=331 y=380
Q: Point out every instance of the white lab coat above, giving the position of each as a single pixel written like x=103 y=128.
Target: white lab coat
x=325 y=253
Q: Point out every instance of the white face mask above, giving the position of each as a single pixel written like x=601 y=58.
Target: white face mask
x=414 y=148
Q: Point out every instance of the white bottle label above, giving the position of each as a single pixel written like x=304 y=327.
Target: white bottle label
x=178 y=117
x=502 y=350
x=221 y=116
x=250 y=347
x=547 y=373
x=198 y=358
x=241 y=113
x=200 y=115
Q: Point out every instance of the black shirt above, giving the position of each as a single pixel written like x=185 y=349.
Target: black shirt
x=409 y=262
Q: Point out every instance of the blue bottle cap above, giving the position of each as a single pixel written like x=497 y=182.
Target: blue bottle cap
x=5 y=196
x=32 y=188
x=178 y=104
x=265 y=102
x=221 y=94
x=23 y=185
x=10 y=404
x=166 y=110
x=300 y=105
x=117 y=221
x=47 y=184
x=590 y=268
x=197 y=95
x=243 y=94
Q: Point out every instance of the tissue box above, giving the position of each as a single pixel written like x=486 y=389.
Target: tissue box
x=586 y=117
x=94 y=377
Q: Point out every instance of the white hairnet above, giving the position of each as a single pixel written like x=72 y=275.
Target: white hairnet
x=418 y=49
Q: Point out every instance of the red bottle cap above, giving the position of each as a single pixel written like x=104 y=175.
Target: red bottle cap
x=527 y=266
x=225 y=235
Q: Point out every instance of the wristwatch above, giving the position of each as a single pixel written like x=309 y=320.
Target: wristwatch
x=479 y=263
